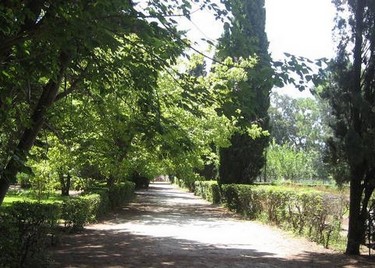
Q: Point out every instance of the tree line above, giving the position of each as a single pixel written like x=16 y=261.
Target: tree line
x=99 y=90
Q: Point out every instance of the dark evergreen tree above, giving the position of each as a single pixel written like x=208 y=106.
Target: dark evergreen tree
x=351 y=93
x=245 y=37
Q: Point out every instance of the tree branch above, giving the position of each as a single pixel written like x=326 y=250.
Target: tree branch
x=74 y=85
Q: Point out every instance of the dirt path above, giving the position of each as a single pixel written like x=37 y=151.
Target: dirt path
x=166 y=227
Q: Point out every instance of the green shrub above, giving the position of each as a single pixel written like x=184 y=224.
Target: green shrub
x=187 y=182
x=76 y=212
x=104 y=205
x=315 y=214
x=182 y=184
x=25 y=231
x=114 y=196
x=121 y=193
x=208 y=190
x=231 y=199
x=252 y=201
x=26 y=227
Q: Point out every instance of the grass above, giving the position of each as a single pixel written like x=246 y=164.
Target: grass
x=327 y=188
x=31 y=196
x=339 y=245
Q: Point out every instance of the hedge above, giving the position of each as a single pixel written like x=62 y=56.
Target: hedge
x=121 y=193
x=28 y=227
x=315 y=214
x=78 y=211
x=209 y=190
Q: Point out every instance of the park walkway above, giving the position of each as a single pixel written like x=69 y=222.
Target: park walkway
x=167 y=227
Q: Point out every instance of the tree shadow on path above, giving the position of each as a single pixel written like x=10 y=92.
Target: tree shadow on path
x=102 y=248
x=167 y=228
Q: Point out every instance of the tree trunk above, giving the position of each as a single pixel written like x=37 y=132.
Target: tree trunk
x=4 y=186
x=29 y=135
x=356 y=224
x=65 y=184
x=110 y=181
x=356 y=218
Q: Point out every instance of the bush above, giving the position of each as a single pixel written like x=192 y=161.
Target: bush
x=208 y=190
x=26 y=227
x=121 y=193
x=315 y=214
x=187 y=182
x=77 y=211
x=104 y=205
x=25 y=231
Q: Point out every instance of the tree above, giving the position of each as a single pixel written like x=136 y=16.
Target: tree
x=286 y=162
x=298 y=125
x=350 y=91
x=244 y=37
x=112 y=135
x=49 y=49
x=192 y=126
x=298 y=121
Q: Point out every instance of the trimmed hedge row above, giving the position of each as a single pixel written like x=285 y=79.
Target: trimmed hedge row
x=25 y=230
x=187 y=184
x=209 y=190
x=28 y=227
x=317 y=215
x=77 y=211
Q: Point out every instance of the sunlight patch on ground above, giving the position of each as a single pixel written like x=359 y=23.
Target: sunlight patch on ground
x=169 y=213
x=223 y=234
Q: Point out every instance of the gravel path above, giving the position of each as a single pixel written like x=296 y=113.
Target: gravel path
x=167 y=227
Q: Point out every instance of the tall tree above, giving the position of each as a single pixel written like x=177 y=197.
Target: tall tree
x=49 y=49
x=244 y=37
x=351 y=94
x=299 y=125
x=298 y=121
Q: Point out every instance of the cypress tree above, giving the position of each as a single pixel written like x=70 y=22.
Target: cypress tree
x=245 y=36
